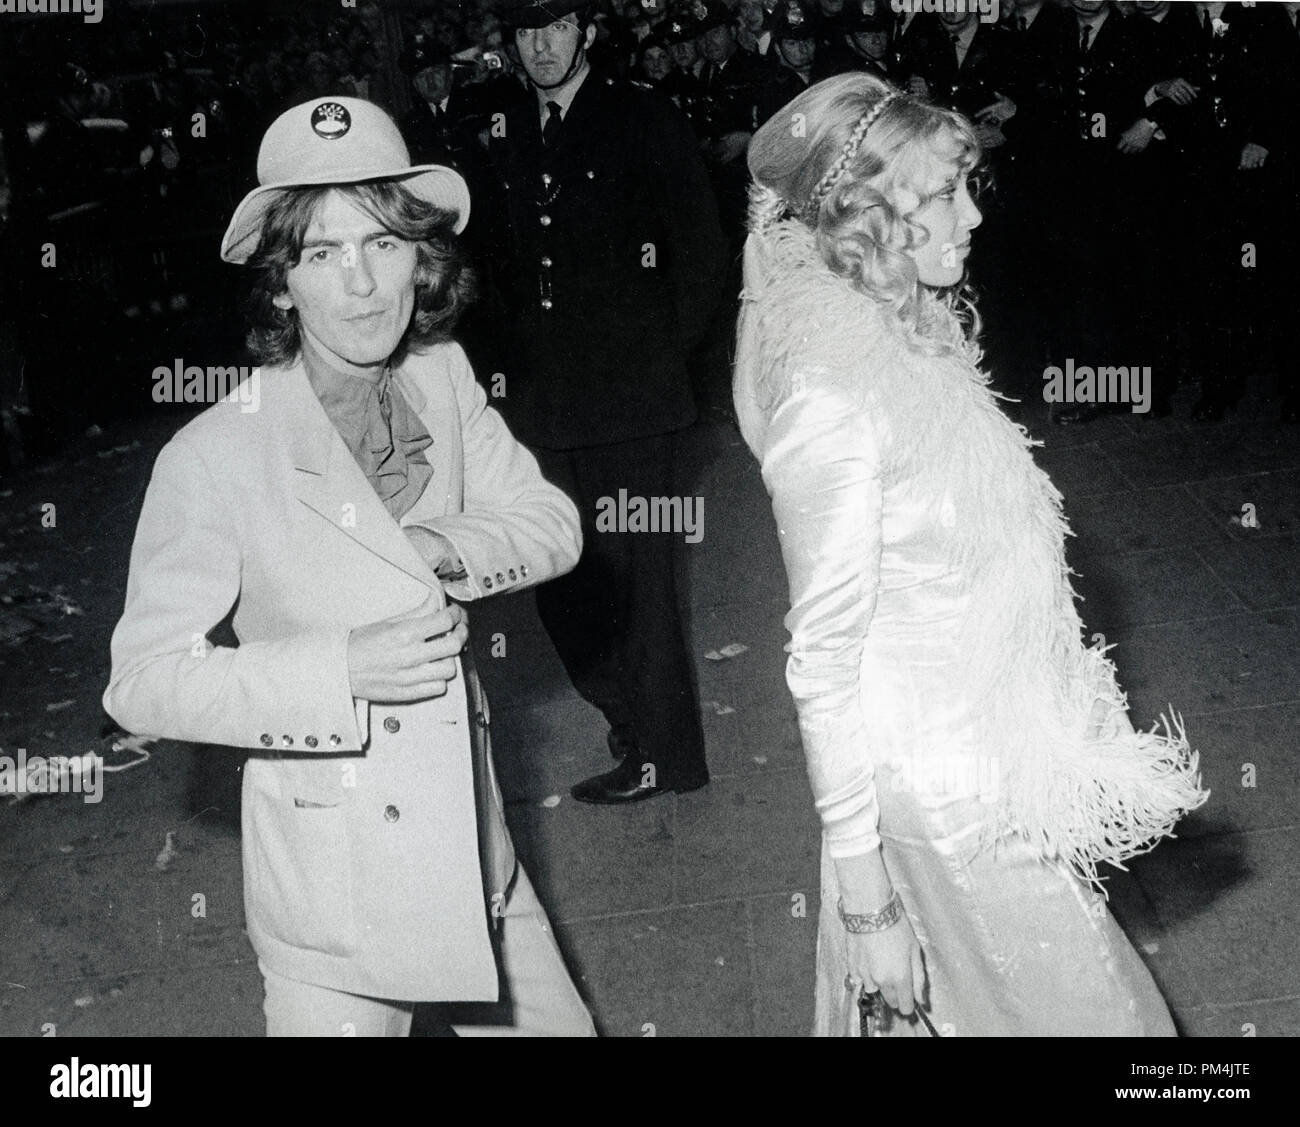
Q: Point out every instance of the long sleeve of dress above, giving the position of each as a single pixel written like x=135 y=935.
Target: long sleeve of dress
x=822 y=469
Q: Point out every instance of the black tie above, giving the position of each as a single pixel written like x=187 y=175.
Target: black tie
x=1022 y=24
x=1084 y=37
x=551 y=130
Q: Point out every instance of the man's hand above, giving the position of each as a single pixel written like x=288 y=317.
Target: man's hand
x=997 y=113
x=1177 y=90
x=1252 y=156
x=397 y=660
x=1137 y=136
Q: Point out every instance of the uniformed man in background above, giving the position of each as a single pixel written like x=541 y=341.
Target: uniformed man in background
x=606 y=272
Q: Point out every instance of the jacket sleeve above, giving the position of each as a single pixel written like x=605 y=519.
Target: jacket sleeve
x=167 y=680
x=821 y=468
x=514 y=524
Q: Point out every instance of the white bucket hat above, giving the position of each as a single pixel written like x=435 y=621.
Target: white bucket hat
x=336 y=141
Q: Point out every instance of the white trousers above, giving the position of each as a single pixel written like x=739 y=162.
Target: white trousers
x=538 y=998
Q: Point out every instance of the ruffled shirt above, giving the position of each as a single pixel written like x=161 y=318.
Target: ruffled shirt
x=378 y=426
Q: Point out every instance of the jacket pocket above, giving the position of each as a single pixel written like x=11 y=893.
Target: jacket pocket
x=300 y=879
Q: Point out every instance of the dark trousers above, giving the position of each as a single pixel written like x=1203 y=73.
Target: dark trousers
x=615 y=620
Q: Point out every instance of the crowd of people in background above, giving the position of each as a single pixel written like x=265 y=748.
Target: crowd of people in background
x=1139 y=186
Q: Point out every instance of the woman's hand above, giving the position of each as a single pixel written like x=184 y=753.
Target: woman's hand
x=889 y=961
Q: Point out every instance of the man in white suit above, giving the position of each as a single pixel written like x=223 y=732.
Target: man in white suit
x=372 y=485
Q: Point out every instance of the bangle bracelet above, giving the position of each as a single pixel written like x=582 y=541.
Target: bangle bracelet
x=866 y=922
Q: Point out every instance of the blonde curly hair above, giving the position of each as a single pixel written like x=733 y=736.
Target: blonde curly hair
x=863 y=223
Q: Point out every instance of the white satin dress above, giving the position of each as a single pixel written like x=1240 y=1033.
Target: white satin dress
x=949 y=711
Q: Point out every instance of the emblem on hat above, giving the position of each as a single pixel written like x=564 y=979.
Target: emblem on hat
x=793 y=14
x=700 y=10
x=330 y=120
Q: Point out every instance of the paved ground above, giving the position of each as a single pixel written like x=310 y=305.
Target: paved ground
x=675 y=914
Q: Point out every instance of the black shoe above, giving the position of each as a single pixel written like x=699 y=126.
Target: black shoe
x=1211 y=409
x=624 y=784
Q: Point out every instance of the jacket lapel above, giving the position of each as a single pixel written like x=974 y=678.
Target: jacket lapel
x=328 y=480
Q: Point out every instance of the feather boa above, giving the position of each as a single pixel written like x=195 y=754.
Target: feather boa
x=1082 y=791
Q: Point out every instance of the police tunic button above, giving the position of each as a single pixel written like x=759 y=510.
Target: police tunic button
x=545 y=220
x=500 y=578
x=546 y=262
x=487 y=582
x=265 y=739
x=311 y=741
x=482 y=720
x=546 y=179
x=287 y=741
x=512 y=574
x=591 y=174
x=391 y=813
x=392 y=724
x=547 y=303
x=523 y=570
x=336 y=741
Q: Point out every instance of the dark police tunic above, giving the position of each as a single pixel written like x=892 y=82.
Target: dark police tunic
x=607 y=267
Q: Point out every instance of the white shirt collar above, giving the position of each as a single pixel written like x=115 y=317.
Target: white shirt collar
x=564 y=96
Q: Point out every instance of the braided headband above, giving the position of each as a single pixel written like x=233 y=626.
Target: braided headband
x=841 y=164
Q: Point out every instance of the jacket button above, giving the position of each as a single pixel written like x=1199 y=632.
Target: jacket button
x=500 y=578
x=523 y=570
x=544 y=220
x=546 y=179
x=391 y=813
x=311 y=741
x=482 y=720
x=546 y=262
x=287 y=741
x=392 y=724
x=547 y=303
x=265 y=739
x=591 y=174
x=336 y=741
x=487 y=582
x=512 y=574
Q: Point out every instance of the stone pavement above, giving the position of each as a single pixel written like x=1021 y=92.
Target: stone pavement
x=676 y=914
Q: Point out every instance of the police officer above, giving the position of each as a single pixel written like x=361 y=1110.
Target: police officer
x=680 y=33
x=730 y=79
x=1106 y=64
x=607 y=270
x=431 y=126
x=794 y=55
x=865 y=43
x=1274 y=157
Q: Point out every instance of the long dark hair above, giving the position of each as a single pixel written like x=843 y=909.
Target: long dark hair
x=444 y=283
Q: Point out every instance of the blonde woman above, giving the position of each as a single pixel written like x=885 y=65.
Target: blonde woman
x=971 y=760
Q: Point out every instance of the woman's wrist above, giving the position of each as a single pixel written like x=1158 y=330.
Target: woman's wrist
x=864 y=883
x=865 y=923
